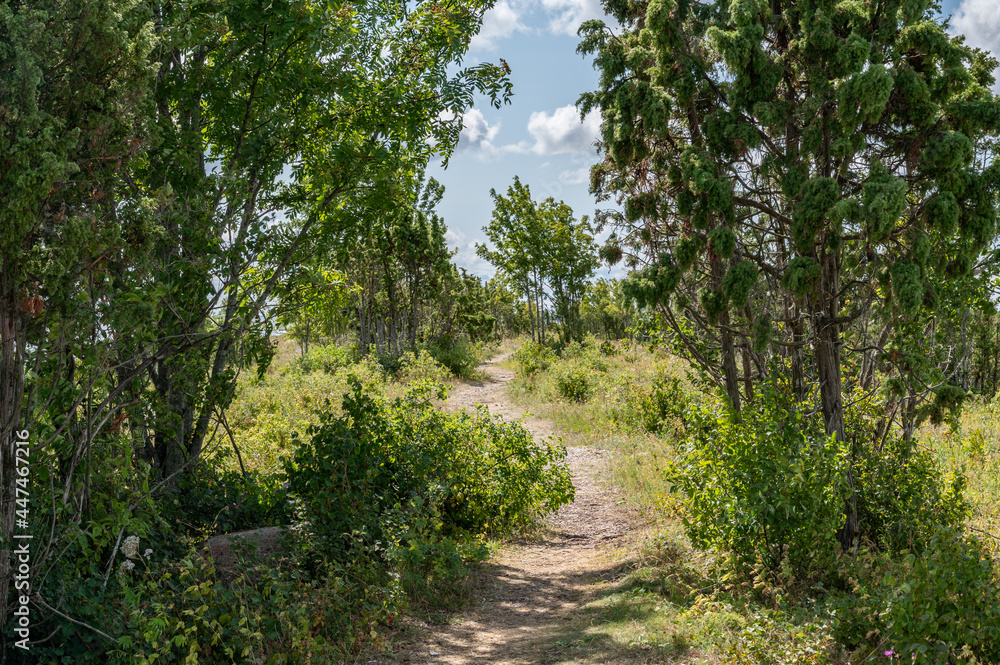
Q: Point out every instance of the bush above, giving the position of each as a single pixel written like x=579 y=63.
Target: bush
x=903 y=497
x=655 y=410
x=574 y=382
x=388 y=361
x=327 y=359
x=768 y=489
x=431 y=565
x=460 y=356
x=422 y=367
x=185 y=612
x=571 y=350
x=533 y=358
x=386 y=477
x=217 y=501
x=941 y=606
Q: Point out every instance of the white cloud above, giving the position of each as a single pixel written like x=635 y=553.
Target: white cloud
x=979 y=21
x=580 y=176
x=567 y=15
x=498 y=23
x=478 y=135
x=563 y=132
x=465 y=254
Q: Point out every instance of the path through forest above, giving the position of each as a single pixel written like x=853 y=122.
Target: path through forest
x=527 y=607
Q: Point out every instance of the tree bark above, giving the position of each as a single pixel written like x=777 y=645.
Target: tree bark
x=12 y=359
x=729 y=370
x=826 y=341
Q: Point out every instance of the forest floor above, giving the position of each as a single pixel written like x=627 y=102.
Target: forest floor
x=538 y=599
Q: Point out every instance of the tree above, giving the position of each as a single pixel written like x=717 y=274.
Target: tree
x=606 y=309
x=165 y=167
x=311 y=304
x=73 y=81
x=518 y=236
x=543 y=251
x=310 y=113
x=813 y=161
x=572 y=259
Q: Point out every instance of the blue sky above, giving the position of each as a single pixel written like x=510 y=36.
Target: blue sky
x=540 y=136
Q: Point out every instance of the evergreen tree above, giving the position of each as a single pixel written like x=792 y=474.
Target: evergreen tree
x=796 y=167
x=74 y=81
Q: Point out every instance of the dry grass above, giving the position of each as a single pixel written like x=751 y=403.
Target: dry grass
x=973 y=449
x=660 y=600
x=606 y=421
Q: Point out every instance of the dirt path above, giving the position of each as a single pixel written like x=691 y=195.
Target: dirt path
x=524 y=610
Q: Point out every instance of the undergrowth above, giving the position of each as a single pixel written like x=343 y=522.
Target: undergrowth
x=758 y=503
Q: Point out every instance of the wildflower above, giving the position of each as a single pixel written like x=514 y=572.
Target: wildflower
x=126 y=567
x=130 y=548
x=147 y=552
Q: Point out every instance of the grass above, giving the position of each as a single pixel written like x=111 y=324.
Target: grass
x=269 y=411
x=667 y=602
x=608 y=419
x=662 y=600
x=973 y=449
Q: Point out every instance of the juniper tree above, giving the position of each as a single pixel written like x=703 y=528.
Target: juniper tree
x=73 y=79
x=801 y=165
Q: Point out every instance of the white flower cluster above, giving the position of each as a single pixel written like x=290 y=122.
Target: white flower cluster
x=130 y=548
x=147 y=552
x=125 y=567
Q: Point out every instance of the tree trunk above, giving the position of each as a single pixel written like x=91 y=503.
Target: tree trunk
x=826 y=336
x=729 y=370
x=729 y=364
x=12 y=358
x=747 y=373
x=531 y=314
x=414 y=304
x=794 y=351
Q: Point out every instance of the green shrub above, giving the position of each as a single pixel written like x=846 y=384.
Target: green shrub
x=365 y=479
x=940 y=606
x=572 y=350
x=770 y=639
x=214 y=500
x=574 y=382
x=767 y=489
x=903 y=497
x=460 y=356
x=388 y=361
x=422 y=367
x=944 y=600
x=652 y=410
x=431 y=565
x=533 y=358
x=327 y=359
x=186 y=612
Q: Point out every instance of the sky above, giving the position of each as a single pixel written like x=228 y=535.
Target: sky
x=540 y=136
